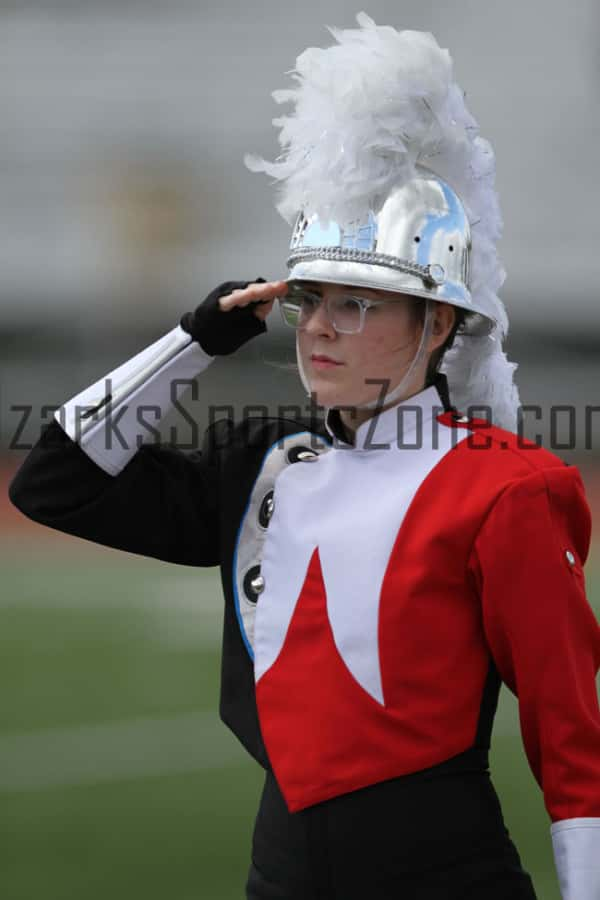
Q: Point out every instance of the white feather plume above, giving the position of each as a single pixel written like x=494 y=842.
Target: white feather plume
x=367 y=110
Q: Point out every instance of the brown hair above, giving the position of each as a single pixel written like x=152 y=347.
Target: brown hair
x=461 y=317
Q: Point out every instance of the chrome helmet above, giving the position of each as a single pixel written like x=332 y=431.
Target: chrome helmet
x=419 y=243
x=387 y=165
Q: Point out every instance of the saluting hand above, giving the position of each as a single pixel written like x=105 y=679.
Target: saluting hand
x=232 y=314
x=260 y=294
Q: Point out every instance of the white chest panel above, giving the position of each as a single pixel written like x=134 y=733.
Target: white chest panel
x=297 y=450
x=350 y=505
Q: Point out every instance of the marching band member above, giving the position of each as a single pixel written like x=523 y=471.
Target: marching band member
x=386 y=568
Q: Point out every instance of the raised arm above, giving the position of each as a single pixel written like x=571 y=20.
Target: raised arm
x=93 y=473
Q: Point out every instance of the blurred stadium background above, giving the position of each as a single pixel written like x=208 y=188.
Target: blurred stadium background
x=124 y=199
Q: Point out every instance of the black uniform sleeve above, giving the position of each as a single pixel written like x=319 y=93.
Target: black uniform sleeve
x=163 y=504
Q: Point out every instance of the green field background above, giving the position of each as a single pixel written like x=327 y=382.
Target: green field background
x=116 y=777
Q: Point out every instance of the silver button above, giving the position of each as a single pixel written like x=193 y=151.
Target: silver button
x=258 y=584
x=570 y=558
x=307 y=456
x=266 y=509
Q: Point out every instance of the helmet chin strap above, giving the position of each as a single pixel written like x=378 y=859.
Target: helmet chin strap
x=404 y=383
x=419 y=357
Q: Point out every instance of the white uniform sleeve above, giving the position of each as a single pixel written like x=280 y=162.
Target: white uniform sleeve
x=576 y=845
x=105 y=419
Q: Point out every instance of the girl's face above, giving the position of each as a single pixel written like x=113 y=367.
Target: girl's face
x=382 y=351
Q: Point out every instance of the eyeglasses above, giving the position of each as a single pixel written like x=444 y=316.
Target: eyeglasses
x=344 y=311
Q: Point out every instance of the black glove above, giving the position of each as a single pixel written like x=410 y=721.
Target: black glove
x=220 y=333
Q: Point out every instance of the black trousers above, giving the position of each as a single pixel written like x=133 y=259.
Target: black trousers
x=439 y=837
